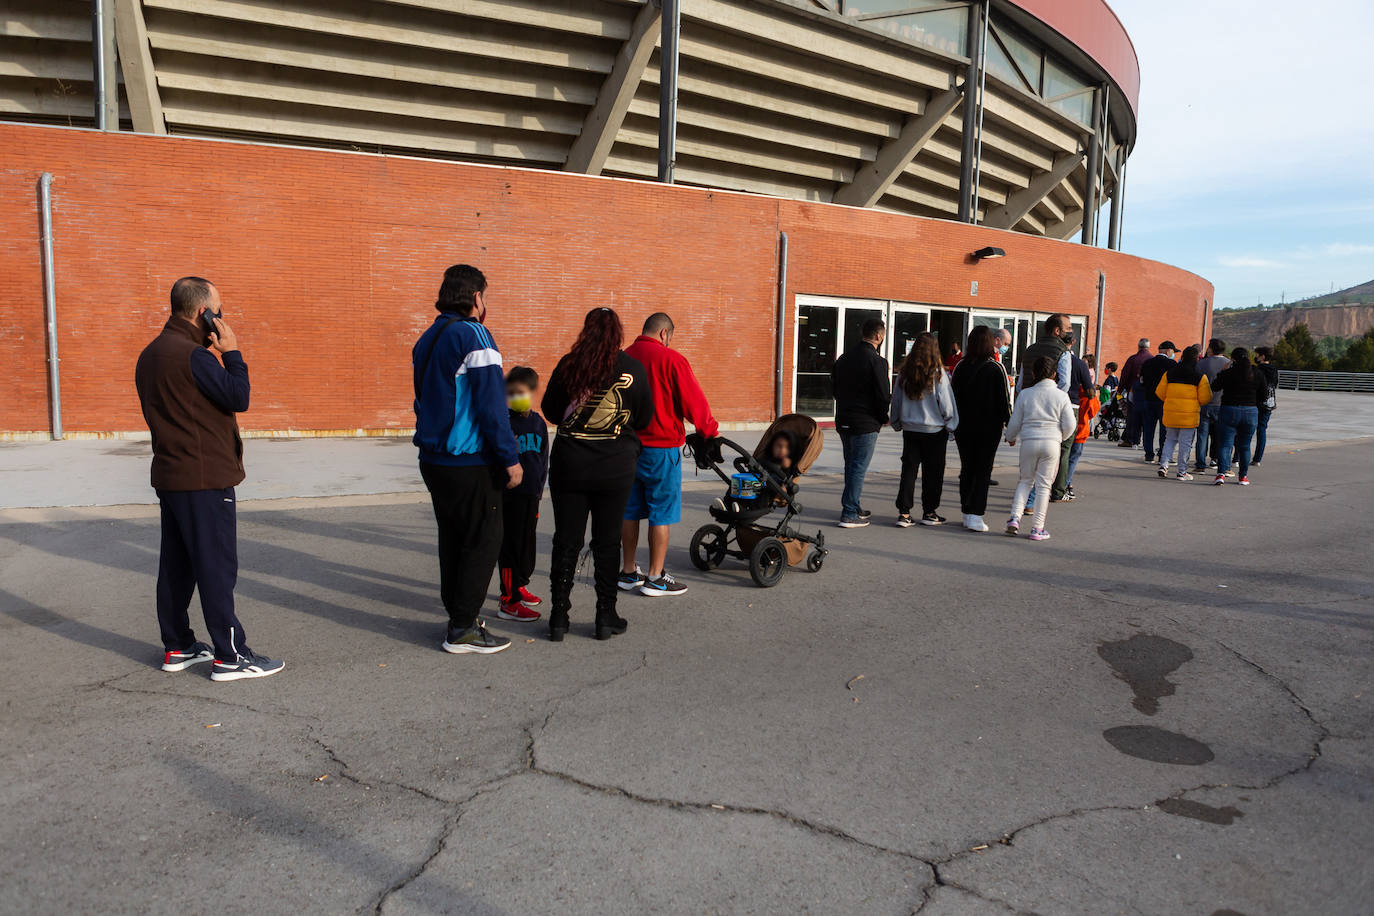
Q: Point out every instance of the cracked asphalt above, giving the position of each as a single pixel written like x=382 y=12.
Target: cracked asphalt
x=1164 y=710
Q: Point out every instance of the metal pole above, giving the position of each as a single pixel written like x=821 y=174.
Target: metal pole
x=982 y=88
x=782 y=324
x=667 y=90
x=1090 y=174
x=1118 y=207
x=968 y=151
x=1114 y=219
x=104 y=81
x=1101 y=317
x=1106 y=145
x=98 y=60
x=50 y=303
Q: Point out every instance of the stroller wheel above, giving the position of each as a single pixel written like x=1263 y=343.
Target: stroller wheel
x=768 y=562
x=814 y=560
x=708 y=547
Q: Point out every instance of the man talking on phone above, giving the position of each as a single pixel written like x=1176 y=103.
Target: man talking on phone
x=189 y=400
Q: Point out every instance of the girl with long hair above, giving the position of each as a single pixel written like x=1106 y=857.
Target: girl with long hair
x=982 y=395
x=599 y=398
x=1243 y=389
x=923 y=411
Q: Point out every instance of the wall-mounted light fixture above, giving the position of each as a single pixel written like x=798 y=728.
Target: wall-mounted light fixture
x=989 y=253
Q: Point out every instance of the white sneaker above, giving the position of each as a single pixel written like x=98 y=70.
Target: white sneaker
x=975 y=523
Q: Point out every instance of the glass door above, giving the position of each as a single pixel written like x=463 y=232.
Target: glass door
x=817 y=346
x=826 y=328
x=903 y=326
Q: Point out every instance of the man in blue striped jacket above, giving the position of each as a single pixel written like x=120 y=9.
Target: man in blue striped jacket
x=467 y=451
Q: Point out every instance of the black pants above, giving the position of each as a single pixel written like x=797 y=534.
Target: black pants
x=521 y=512
x=467 y=508
x=1061 y=476
x=977 y=451
x=925 y=451
x=604 y=503
x=199 y=549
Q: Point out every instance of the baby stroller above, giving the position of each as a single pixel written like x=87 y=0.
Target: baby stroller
x=757 y=488
x=1111 y=421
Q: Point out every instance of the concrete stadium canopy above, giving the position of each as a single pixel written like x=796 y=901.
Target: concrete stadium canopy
x=847 y=101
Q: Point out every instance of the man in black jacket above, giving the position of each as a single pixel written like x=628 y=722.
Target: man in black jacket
x=862 y=383
x=1152 y=413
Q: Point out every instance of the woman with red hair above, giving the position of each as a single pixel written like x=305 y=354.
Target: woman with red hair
x=600 y=398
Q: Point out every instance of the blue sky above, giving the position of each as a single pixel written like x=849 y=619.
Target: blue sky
x=1255 y=160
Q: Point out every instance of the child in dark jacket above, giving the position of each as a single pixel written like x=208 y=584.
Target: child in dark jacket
x=521 y=505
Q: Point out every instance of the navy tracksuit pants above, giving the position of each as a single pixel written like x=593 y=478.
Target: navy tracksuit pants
x=199 y=549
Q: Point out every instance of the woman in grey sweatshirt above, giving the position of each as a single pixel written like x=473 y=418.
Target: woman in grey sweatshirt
x=923 y=412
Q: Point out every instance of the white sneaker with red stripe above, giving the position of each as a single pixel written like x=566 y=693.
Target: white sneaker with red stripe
x=182 y=659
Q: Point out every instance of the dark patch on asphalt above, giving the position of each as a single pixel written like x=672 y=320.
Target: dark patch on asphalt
x=1158 y=745
x=1142 y=662
x=135 y=449
x=1227 y=913
x=1198 y=811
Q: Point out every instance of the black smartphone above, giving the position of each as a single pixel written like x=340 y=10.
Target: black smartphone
x=207 y=323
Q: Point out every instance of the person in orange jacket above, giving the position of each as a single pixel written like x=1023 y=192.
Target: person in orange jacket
x=1184 y=389
x=1088 y=408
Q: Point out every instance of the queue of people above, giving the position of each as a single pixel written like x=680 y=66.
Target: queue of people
x=486 y=456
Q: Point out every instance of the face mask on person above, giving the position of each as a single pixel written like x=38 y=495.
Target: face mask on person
x=520 y=403
x=1002 y=350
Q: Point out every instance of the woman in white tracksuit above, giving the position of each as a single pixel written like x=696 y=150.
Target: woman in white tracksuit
x=1042 y=418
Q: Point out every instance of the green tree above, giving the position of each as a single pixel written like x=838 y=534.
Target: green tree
x=1333 y=348
x=1297 y=350
x=1359 y=356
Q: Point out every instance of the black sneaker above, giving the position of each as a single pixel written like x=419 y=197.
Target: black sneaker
x=475 y=640
x=864 y=513
x=629 y=582
x=854 y=522
x=905 y=521
x=248 y=664
x=1070 y=494
x=185 y=658
x=663 y=585
x=930 y=518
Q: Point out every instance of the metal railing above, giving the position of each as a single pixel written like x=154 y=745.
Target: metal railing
x=1326 y=381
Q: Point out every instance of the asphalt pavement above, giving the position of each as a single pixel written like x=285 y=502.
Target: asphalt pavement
x=1163 y=710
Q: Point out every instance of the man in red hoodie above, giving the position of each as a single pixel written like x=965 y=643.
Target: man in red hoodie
x=657 y=493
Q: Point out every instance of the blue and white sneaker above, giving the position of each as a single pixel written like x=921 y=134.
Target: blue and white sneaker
x=185 y=658
x=629 y=582
x=663 y=585
x=248 y=664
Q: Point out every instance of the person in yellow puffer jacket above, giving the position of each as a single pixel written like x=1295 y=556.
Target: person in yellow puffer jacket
x=1184 y=390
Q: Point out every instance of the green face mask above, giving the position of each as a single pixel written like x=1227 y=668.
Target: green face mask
x=520 y=403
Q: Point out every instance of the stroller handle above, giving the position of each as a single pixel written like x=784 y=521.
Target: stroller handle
x=755 y=466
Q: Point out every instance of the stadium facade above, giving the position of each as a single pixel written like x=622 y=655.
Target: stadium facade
x=835 y=159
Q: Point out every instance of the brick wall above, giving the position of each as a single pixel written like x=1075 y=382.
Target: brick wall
x=328 y=264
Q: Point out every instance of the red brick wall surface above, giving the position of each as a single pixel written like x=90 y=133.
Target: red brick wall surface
x=329 y=262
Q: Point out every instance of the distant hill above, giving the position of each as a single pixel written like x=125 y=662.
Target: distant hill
x=1262 y=327
x=1355 y=295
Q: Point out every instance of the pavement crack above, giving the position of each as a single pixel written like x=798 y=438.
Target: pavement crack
x=436 y=848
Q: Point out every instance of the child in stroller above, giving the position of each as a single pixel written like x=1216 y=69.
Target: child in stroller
x=1111 y=421
x=764 y=481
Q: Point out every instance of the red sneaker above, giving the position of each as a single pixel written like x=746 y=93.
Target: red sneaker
x=514 y=610
x=526 y=598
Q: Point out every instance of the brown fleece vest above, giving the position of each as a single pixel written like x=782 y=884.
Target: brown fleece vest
x=196 y=445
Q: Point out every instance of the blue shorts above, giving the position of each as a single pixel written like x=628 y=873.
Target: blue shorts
x=657 y=492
